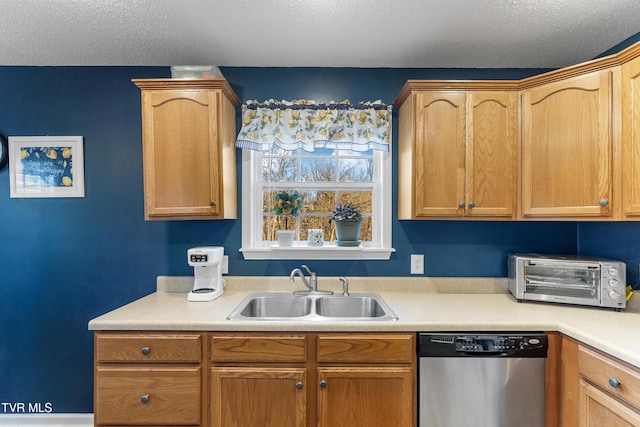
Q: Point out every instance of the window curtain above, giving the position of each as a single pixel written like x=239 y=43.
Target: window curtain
x=304 y=124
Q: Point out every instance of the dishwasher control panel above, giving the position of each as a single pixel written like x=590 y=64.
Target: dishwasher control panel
x=495 y=343
x=526 y=344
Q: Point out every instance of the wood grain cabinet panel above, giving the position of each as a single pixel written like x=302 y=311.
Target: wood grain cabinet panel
x=259 y=348
x=146 y=348
x=150 y=396
x=188 y=137
x=457 y=150
x=313 y=379
x=491 y=149
x=631 y=138
x=600 y=409
x=149 y=378
x=254 y=396
x=609 y=390
x=567 y=155
x=373 y=348
x=366 y=396
x=439 y=154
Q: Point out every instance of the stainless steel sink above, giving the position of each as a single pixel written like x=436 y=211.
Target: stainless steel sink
x=277 y=306
x=351 y=306
x=274 y=306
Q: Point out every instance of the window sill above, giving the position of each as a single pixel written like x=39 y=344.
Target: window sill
x=329 y=252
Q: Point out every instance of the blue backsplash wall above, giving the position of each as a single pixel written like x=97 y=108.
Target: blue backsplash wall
x=65 y=261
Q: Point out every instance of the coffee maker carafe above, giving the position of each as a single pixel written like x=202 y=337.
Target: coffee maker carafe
x=207 y=268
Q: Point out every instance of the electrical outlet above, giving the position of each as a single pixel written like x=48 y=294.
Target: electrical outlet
x=417 y=263
x=225 y=264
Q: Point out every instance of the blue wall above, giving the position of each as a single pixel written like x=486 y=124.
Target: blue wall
x=65 y=261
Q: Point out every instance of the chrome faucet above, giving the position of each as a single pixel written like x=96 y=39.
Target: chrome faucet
x=312 y=284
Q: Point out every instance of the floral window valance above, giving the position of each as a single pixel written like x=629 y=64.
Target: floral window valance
x=308 y=125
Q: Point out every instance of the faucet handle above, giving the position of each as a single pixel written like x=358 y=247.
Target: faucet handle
x=311 y=273
x=345 y=286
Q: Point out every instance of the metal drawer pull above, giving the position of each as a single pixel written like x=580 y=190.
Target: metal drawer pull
x=212 y=203
x=461 y=205
x=472 y=205
x=299 y=385
x=145 y=350
x=614 y=383
x=323 y=384
x=603 y=202
x=144 y=398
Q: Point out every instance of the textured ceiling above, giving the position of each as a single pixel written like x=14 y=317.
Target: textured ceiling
x=304 y=33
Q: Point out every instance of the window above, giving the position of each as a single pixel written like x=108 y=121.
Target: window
x=324 y=173
x=323 y=178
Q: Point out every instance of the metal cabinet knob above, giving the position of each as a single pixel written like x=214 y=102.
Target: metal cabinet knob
x=144 y=398
x=614 y=383
x=145 y=350
x=603 y=202
x=323 y=384
x=472 y=205
x=299 y=385
x=212 y=203
x=461 y=205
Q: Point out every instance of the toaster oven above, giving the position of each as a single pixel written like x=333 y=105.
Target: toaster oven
x=568 y=279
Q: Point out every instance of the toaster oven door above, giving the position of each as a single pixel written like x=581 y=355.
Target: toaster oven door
x=571 y=282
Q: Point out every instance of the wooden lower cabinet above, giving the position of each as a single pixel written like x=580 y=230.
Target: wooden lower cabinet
x=156 y=396
x=600 y=409
x=368 y=396
x=593 y=388
x=149 y=378
x=309 y=380
x=609 y=390
x=266 y=397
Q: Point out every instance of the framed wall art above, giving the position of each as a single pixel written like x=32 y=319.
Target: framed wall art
x=46 y=166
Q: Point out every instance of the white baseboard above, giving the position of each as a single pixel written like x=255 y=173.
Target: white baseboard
x=48 y=420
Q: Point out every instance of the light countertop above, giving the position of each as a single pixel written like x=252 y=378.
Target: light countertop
x=421 y=304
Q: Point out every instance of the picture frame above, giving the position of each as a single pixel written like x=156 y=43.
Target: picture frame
x=46 y=166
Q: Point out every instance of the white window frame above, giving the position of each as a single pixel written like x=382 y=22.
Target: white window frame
x=253 y=248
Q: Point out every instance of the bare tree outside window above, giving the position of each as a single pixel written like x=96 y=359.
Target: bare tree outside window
x=323 y=178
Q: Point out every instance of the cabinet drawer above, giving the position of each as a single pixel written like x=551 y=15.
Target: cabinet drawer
x=259 y=348
x=156 y=396
x=600 y=370
x=156 y=348
x=373 y=348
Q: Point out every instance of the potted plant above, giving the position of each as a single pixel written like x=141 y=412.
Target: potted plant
x=348 y=220
x=286 y=204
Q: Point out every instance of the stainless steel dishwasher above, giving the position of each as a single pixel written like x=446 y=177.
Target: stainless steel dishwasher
x=482 y=379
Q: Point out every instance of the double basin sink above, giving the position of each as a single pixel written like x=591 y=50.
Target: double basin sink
x=281 y=306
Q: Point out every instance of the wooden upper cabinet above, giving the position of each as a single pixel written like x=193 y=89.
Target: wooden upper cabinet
x=631 y=138
x=491 y=148
x=457 y=150
x=439 y=154
x=189 y=149
x=567 y=156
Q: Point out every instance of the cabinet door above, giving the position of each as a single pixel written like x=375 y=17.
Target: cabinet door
x=601 y=409
x=372 y=397
x=566 y=148
x=147 y=395
x=181 y=153
x=258 y=397
x=439 y=154
x=631 y=137
x=491 y=153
